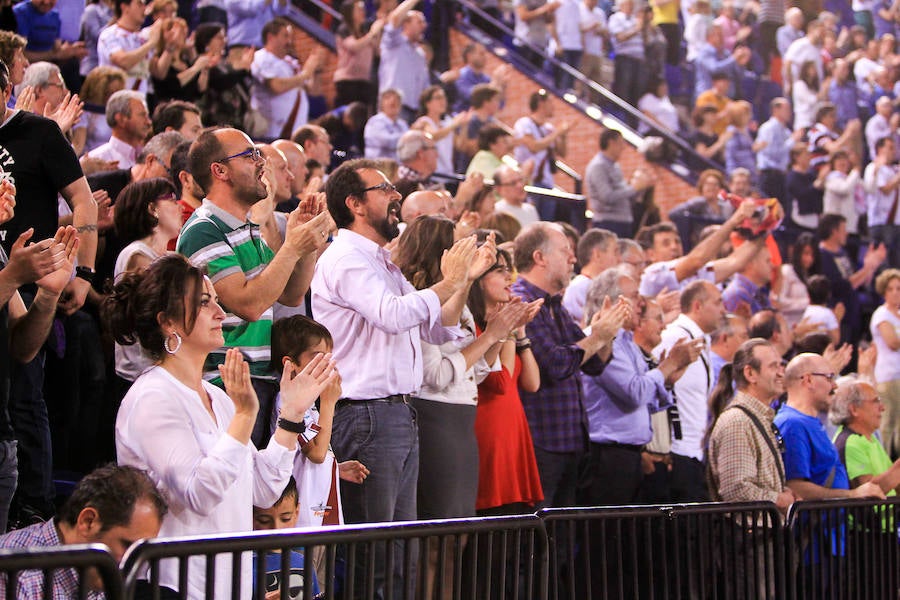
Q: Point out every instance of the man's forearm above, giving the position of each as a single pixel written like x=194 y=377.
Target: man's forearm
x=298 y=283
x=451 y=310
x=811 y=491
x=28 y=334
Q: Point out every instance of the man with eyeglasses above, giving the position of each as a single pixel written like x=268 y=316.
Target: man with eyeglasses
x=856 y=410
x=509 y=186
x=247 y=275
x=378 y=319
x=812 y=464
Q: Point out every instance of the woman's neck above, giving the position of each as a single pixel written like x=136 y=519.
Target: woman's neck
x=186 y=368
x=157 y=241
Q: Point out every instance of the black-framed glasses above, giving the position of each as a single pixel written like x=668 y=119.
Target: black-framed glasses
x=384 y=186
x=254 y=153
x=829 y=376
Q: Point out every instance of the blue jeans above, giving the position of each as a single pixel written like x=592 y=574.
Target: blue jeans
x=28 y=414
x=889 y=235
x=383 y=436
x=564 y=80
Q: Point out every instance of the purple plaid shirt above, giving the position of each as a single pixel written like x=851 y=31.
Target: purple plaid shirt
x=556 y=412
x=31 y=583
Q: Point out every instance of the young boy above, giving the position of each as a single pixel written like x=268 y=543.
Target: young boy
x=283 y=515
x=298 y=339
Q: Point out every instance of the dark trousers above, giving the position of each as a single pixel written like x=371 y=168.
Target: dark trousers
x=771 y=184
x=28 y=414
x=263 y=429
x=620 y=228
x=630 y=78
x=672 y=31
x=613 y=475
x=564 y=80
x=688 y=480
x=559 y=473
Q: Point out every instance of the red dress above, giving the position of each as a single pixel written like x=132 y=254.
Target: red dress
x=507 y=470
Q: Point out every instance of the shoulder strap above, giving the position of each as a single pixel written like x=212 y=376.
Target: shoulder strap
x=703 y=358
x=765 y=435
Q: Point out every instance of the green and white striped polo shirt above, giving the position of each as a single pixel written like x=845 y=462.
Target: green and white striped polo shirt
x=223 y=245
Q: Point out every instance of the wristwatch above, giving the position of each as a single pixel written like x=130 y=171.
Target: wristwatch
x=86 y=273
x=291 y=425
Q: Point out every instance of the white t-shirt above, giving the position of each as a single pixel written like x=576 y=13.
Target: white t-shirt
x=576 y=295
x=887 y=363
x=526 y=214
x=820 y=315
x=131 y=360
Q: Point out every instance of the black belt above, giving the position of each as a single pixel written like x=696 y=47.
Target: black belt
x=631 y=447
x=392 y=399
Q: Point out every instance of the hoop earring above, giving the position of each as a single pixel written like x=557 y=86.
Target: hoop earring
x=177 y=343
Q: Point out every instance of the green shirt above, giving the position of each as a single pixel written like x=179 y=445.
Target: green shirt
x=216 y=241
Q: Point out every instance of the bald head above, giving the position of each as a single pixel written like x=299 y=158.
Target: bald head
x=296 y=159
x=420 y=203
x=801 y=365
x=277 y=166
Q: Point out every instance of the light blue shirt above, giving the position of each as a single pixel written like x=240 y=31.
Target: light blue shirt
x=381 y=136
x=708 y=61
x=620 y=400
x=246 y=19
x=776 y=154
x=402 y=66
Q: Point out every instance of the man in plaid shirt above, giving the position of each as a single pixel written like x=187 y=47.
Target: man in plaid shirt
x=556 y=414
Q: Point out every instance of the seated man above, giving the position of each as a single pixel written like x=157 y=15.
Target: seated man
x=112 y=505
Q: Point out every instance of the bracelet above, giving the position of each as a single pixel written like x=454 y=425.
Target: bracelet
x=523 y=348
x=291 y=425
x=523 y=342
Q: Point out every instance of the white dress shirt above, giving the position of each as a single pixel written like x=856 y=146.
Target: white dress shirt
x=116 y=149
x=210 y=480
x=692 y=389
x=376 y=317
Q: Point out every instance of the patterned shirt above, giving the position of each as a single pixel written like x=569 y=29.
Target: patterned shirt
x=223 y=245
x=31 y=583
x=742 y=467
x=556 y=413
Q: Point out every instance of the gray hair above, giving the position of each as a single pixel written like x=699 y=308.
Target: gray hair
x=120 y=104
x=38 y=74
x=410 y=143
x=384 y=94
x=605 y=284
x=160 y=145
x=628 y=244
x=848 y=394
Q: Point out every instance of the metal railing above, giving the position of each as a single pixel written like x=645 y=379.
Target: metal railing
x=678 y=551
x=828 y=549
x=502 y=557
x=61 y=568
x=844 y=549
x=609 y=98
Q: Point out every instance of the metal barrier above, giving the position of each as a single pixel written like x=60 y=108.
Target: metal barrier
x=844 y=549
x=62 y=570
x=678 y=551
x=502 y=557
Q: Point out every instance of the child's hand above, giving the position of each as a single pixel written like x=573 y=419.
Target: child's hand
x=332 y=392
x=300 y=390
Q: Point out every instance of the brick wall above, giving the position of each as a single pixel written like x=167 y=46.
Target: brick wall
x=582 y=139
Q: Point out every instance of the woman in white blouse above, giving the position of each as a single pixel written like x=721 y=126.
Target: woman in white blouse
x=803 y=263
x=844 y=194
x=446 y=403
x=885 y=330
x=192 y=438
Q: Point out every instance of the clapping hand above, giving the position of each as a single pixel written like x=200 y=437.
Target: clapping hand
x=29 y=263
x=235 y=373
x=7 y=200
x=299 y=390
x=66 y=242
x=485 y=258
x=456 y=261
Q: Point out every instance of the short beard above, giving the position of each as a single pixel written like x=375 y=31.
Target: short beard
x=387 y=230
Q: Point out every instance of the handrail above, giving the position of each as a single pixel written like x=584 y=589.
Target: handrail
x=567 y=170
x=531 y=189
x=596 y=87
x=80 y=557
x=327 y=8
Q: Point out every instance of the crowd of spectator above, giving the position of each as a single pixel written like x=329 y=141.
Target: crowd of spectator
x=317 y=330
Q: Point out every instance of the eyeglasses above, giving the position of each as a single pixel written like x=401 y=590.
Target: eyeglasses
x=384 y=186
x=254 y=153
x=828 y=376
x=167 y=198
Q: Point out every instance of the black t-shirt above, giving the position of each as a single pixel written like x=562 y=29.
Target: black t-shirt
x=6 y=431
x=36 y=157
